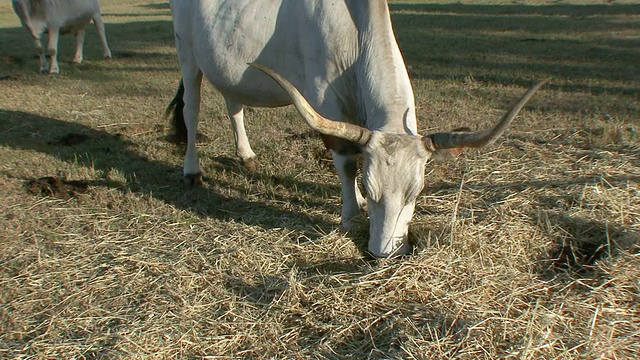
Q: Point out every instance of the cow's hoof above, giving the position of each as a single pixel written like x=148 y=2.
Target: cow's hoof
x=251 y=164
x=356 y=223
x=343 y=230
x=54 y=73
x=192 y=180
x=44 y=71
x=404 y=249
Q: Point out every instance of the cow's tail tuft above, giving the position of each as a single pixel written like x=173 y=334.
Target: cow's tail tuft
x=175 y=113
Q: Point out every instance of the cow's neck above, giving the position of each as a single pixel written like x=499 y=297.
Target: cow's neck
x=386 y=95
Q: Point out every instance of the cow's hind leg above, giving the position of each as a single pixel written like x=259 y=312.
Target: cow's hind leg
x=97 y=19
x=352 y=199
x=44 y=64
x=243 y=148
x=190 y=90
x=36 y=35
x=191 y=81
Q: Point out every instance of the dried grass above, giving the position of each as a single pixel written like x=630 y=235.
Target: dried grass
x=528 y=249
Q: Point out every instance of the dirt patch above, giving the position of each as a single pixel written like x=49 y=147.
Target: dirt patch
x=125 y=54
x=583 y=242
x=9 y=59
x=323 y=157
x=577 y=255
x=57 y=187
x=295 y=135
x=72 y=139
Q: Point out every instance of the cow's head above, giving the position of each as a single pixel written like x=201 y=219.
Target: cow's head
x=394 y=165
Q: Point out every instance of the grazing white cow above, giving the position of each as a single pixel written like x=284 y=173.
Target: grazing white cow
x=59 y=17
x=339 y=64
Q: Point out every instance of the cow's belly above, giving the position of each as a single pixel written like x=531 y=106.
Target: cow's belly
x=75 y=24
x=226 y=68
x=250 y=89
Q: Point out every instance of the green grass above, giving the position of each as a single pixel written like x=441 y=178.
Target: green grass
x=526 y=249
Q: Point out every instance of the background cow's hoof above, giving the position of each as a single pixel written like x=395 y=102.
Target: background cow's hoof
x=44 y=71
x=251 y=164
x=192 y=180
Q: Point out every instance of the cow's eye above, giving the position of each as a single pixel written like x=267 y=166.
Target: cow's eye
x=413 y=191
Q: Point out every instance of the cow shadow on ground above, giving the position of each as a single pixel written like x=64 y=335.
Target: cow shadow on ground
x=72 y=142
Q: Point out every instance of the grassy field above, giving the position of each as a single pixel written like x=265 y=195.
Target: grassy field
x=528 y=249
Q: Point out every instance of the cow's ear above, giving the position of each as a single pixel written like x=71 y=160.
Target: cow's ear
x=442 y=154
x=453 y=152
x=340 y=146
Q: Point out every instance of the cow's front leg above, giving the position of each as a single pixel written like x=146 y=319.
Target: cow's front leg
x=352 y=199
x=77 y=59
x=52 y=48
x=44 y=65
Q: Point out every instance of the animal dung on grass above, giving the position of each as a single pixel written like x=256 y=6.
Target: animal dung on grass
x=57 y=187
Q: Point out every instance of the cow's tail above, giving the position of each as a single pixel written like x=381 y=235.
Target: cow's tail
x=176 y=115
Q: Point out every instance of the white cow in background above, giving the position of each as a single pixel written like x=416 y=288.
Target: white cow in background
x=59 y=17
x=338 y=62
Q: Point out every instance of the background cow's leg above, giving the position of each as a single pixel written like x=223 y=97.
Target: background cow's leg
x=97 y=19
x=52 y=48
x=35 y=28
x=352 y=199
x=192 y=79
x=243 y=148
x=44 y=65
x=77 y=59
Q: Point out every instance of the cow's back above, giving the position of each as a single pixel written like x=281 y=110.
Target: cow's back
x=312 y=43
x=69 y=15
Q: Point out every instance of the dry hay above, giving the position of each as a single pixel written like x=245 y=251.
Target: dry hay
x=527 y=249
x=507 y=264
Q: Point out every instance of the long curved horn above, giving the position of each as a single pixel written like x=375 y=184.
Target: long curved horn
x=351 y=132
x=450 y=140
